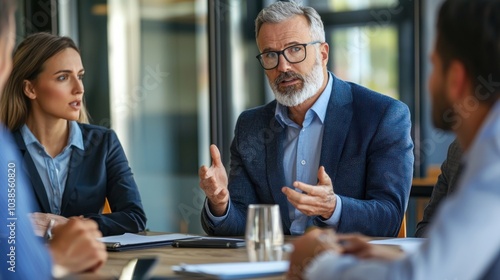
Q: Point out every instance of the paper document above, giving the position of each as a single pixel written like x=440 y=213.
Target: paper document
x=133 y=241
x=409 y=244
x=238 y=270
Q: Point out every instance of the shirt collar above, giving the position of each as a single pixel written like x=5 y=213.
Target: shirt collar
x=75 y=136
x=28 y=136
x=319 y=107
x=491 y=117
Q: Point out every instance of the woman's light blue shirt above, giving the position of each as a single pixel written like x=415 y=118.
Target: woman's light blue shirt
x=53 y=171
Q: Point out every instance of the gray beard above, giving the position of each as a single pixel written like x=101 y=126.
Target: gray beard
x=291 y=96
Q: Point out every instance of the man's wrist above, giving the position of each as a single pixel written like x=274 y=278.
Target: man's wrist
x=335 y=201
x=218 y=210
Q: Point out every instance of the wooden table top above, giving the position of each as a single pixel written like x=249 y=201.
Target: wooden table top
x=167 y=257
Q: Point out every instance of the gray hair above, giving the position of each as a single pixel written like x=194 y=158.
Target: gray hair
x=281 y=11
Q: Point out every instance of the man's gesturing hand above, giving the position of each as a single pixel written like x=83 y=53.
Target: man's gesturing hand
x=319 y=200
x=213 y=181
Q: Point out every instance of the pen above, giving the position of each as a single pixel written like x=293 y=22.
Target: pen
x=48 y=230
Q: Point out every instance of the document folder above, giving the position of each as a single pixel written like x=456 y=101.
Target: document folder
x=209 y=242
x=130 y=241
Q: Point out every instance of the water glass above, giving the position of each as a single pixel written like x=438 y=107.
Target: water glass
x=264 y=233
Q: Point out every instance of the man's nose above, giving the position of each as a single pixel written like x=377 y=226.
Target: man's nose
x=283 y=64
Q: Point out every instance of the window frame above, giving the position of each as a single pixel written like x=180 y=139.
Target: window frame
x=404 y=15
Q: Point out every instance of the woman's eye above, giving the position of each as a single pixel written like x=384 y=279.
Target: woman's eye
x=61 y=78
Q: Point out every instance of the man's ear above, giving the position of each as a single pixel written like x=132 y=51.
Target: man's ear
x=29 y=89
x=324 y=49
x=457 y=81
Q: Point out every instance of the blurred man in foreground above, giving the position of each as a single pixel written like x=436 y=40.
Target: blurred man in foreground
x=463 y=239
x=74 y=247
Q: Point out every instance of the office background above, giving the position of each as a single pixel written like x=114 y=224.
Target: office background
x=171 y=77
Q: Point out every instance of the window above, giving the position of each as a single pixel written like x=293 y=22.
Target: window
x=349 y=5
x=373 y=43
x=367 y=56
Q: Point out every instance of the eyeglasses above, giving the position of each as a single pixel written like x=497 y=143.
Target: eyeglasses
x=293 y=54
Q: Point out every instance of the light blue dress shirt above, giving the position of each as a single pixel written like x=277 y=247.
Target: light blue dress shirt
x=464 y=239
x=53 y=171
x=302 y=152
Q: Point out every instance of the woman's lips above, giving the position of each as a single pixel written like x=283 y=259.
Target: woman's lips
x=76 y=105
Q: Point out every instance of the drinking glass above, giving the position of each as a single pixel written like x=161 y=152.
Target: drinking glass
x=264 y=233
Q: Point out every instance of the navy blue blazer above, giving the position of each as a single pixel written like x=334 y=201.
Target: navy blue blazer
x=446 y=185
x=367 y=151
x=100 y=171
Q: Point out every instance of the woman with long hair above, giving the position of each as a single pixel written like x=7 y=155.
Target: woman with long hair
x=73 y=166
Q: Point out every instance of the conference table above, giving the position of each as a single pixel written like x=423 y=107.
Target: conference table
x=169 y=256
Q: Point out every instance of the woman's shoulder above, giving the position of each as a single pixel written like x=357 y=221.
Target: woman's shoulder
x=93 y=128
x=96 y=132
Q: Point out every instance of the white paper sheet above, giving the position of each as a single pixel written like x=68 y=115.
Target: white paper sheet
x=409 y=244
x=238 y=270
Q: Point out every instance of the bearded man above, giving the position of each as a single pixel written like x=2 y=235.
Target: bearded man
x=328 y=152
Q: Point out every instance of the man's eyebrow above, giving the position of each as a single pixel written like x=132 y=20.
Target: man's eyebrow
x=286 y=46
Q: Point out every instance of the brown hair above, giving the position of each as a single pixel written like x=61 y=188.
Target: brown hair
x=29 y=59
x=469 y=31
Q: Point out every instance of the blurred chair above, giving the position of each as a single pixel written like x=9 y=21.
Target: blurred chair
x=402 y=229
x=107 y=209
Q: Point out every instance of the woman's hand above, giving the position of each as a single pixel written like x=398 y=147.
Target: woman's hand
x=40 y=221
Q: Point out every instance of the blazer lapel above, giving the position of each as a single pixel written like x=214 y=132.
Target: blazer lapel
x=32 y=174
x=337 y=122
x=73 y=174
x=274 y=161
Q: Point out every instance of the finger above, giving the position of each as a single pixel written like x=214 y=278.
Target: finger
x=35 y=215
x=204 y=173
x=96 y=233
x=298 y=200
x=285 y=191
x=353 y=236
x=92 y=255
x=90 y=224
x=222 y=194
x=323 y=178
x=291 y=194
x=214 y=152
x=60 y=220
x=351 y=245
x=305 y=188
x=217 y=191
x=96 y=267
x=355 y=244
x=209 y=186
x=40 y=217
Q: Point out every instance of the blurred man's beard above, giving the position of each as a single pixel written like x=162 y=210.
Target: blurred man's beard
x=443 y=116
x=296 y=94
